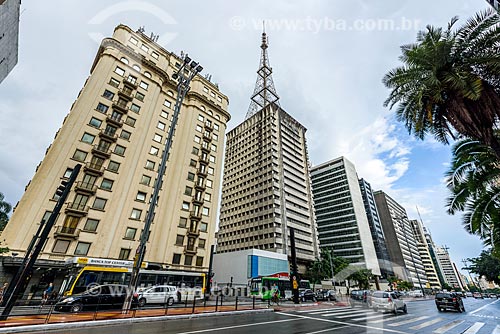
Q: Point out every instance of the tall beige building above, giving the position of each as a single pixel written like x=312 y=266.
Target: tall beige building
x=117 y=129
x=425 y=255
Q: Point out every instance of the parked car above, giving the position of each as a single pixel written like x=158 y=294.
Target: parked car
x=416 y=293
x=468 y=294
x=360 y=297
x=449 y=300
x=100 y=297
x=326 y=295
x=307 y=294
x=387 y=301
x=492 y=295
x=160 y=294
x=477 y=295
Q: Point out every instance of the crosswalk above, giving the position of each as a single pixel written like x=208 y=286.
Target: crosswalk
x=407 y=322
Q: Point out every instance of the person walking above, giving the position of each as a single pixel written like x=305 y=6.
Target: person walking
x=3 y=291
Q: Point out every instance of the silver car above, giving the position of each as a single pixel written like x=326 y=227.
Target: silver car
x=160 y=294
x=387 y=301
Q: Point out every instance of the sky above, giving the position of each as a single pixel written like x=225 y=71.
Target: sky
x=328 y=59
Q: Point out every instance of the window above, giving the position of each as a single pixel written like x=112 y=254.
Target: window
x=161 y=126
x=207 y=197
x=170 y=93
x=120 y=150
x=201 y=118
x=79 y=155
x=150 y=165
x=102 y=108
x=201 y=243
x=209 y=183
x=61 y=246
x=210 y=171
x=82 y=248
x=145 y=180
x=88 y=138
x=205 y=211
x=113 y=82
x=214 y=147
x=124 y=254
x=106 y=184
x=195 y=150
x=188 y=259
x=212 y=158
x=182 y=222
x=130 y=121
x=141 y=196
x=133 y=40
x=144 y=85
x=197 y=139
x=130 y=233
x=144 y=48
x=67 y=173
x=190 y=176
x=185 y=206
x=91 y=225
x=216 y=126
x=215 y=137
x=147 y=74
x=108 y=95
x=199 y=128
x=95 y=122
x=155 y=55
x=120 y=71
x=205 y=89
x=136 y=67
x=154 y=150
x=135 y=108
x=132 y=79
x=192 y=163
x=179 y=240
x=113 y=166
x=212 y=94
x=139 y=96
x=188 y=191
x=99 y=203
x=164 y=114
x=167 y=103
x=203 y=227
x=157 y=138
x=199 y=261
x=136 y=214
x=176 y=259
x=125 y=135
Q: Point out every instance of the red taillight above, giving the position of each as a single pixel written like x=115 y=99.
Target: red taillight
x=389 y=300
x=454 y=300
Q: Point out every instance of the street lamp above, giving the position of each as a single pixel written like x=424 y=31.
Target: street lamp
x=188 y=70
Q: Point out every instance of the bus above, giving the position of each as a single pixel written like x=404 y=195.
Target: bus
x=261 y=286
x=189 y=284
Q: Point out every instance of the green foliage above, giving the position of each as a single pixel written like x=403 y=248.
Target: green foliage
x=4 y=212
x=321 y=269
x=362 y=277
x=486 y=265
x=446 y=286
x=449 y=82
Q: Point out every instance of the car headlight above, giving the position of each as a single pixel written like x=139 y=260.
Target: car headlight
x=68 y=300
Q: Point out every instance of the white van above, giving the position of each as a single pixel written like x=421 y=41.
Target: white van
x=160 y=294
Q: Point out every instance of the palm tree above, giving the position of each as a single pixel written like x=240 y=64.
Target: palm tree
x=4 y=212
x=474 y=182
x=449 y=84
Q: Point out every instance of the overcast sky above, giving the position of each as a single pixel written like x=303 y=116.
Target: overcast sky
x=328 y=59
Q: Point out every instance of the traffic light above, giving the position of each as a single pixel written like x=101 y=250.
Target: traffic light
x=61 y=188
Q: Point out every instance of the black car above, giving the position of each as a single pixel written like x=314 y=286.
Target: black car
x=100 y=297
x=326 y=295
x=307 y=294
x=360 y=297
x=449 y=300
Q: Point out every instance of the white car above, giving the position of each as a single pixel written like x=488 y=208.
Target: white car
x=160 y=294
x=416 y=293
x=387 y=301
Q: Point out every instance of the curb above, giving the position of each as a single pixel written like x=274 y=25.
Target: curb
x=98 y=323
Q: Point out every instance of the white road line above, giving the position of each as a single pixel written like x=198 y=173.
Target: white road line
x=328 y=330
x=347 y=324
x=349 y=315
x=427 y=323
x=408 y=321
x=331 y=311
x=368 y=318
x=321 y=310
x=448 y=326
x=479 y=309
x=355 y=315
x=388 y=318
x=496 y=330
x=474 y=328
x=237 y=326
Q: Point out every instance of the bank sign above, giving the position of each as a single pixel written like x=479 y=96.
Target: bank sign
x=91 y=261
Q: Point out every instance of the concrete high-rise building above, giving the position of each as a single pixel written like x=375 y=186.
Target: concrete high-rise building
x=432 y=252
x=401 y=241
x=117 y=129
x=448 y=268
x=9 y=36
x=340 y=213
x=266 y=186
x=425 y=255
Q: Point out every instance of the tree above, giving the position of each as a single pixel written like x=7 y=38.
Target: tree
x=362 y=277
x=486 y=265
x=322 y=268
x=473 y=180
x=4 y=212
x=448 y=85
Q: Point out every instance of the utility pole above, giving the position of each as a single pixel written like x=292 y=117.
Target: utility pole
x=294 y=277
x=24 y=274
x=183 y=76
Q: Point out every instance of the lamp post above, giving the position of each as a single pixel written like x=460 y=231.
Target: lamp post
x=188 y=70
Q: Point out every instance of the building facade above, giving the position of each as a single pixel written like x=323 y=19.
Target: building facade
x=9 y=36
x=401 y=242
x=117 y=129
x=425 y=255
x=266 y=186
x=450 y=274
x=340 y=213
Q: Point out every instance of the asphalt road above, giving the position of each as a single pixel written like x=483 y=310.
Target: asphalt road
x=481 y=317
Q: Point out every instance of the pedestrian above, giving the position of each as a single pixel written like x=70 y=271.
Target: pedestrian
x=3 y=290
x=47 y=293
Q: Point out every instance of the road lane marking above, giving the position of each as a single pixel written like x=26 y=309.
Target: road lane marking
x=326 y=311
x=328 y=330
x=448 y=326
x=355 y=315
x=474 y=328
x=427 y=323
x=408 y=321
x=340 y=313
x=348 y=324
x=484 y=306
x=369 y=317
x=496 y=330
x=237 y=326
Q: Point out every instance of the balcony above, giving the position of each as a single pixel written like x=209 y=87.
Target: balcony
x=65 y=231
x=131 y=83
x=115 y=120
x=191 y=250
x=112 y=136
x=195 y=215
x=77 y=209
x=94 y=168
x=198 y=201
x=102 y=151
x=85 y=187
x=202 y=172
x=120 y=107
x=209 y=126
x=193 y=232
x=126 y=93
x=205 y=148
x=200 y=186
x=207 y=136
